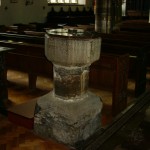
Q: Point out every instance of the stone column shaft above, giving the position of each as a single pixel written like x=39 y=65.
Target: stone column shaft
x=116 y=14
x=70 y=81
x=103 y=16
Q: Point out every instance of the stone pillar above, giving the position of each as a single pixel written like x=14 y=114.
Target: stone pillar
x=103 y=16
x=70 y=113
x=116 y=14
x=119 y=11
x=123 y=7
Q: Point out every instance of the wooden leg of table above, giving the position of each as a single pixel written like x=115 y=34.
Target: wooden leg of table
x=32 y=80
x=3 y=84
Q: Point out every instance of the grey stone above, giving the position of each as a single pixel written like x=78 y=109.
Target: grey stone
x=67 y=121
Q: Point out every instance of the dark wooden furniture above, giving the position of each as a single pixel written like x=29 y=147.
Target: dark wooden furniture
x=135 y=26
x=27 y=56
x=70 y=17
x=3 y=79
x=137 y=66
x=110 y=73
x=137 y=44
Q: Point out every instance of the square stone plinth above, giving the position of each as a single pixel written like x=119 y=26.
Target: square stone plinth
x=68 y=121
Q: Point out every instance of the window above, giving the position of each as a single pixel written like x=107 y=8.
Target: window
x=78 y=2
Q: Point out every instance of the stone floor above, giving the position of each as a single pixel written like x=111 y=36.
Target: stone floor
x=134 y=135
x=14 y=137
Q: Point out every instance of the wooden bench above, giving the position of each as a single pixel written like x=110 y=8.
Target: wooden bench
x=127 y=38
x=28 y=56
x=135 y=34
x=133 y=37
x=110 y=73
x=134 y=26
x=137 y=67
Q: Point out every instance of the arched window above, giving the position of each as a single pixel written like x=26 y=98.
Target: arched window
x=78 y=2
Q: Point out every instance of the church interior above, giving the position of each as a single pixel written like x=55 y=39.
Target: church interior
x=74 y=75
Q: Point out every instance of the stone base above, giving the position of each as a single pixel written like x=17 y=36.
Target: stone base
x=67 y=121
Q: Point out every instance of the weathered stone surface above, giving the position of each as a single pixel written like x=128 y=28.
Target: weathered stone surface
x=67 y=121
x=72 y=51
x=70 y=81
x=70 y=113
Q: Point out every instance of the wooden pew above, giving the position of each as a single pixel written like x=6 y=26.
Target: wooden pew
x=133 y=39
x=134 y=26
x=110 y=73
x=29 y=59
x=137 y=67
x=28 y=56
x=21 y=39
x=135 y=34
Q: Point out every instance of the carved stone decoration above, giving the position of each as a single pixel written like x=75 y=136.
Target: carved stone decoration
x=70 y=113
